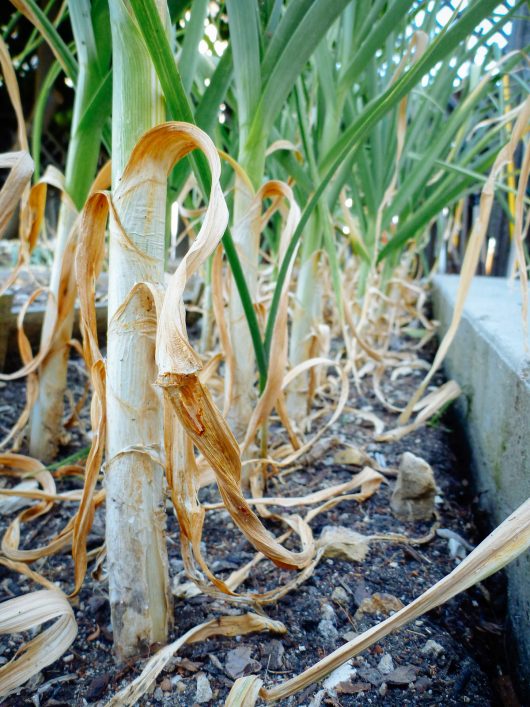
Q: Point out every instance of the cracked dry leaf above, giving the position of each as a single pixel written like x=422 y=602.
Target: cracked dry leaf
x=24 y=613
x=222 y=626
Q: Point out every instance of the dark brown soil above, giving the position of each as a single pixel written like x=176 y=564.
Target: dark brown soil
x=467 y=666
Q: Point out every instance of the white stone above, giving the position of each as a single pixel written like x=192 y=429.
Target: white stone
x=204 y=691
x=386 y=664
x=432 y=647
x=343 y=673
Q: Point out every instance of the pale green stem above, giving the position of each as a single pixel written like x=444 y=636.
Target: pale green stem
x=135 y=531
x=83 y=153
x=306 y=311
x=247 y=240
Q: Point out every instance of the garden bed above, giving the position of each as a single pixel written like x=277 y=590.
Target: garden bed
x=453 y=655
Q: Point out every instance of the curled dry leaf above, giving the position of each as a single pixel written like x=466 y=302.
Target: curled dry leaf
x=368 y=481
x=278 y=353
x=244 y=692
x=32 y=204
x=430 y=405
x=24 y=613
x=16 y=188
x=223 y=626
x=188 y=406
x=27 y=468
x=502 y=546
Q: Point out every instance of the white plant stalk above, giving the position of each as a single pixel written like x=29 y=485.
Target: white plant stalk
x=246 y=238
x=83 y=152
x=207 y=315
x=307 y=309
x=46 y=415
x=135 y=532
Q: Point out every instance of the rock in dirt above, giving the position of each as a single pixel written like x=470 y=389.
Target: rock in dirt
x=379 y=603
x=158 y=694
x=96 y=604
x=342 y=674
x=349 y=635
x=273 y=653
x=403 y=675
x=204 y=691
x=413 y=496
x=386 y=665
x=327 y=630
x=372 y=675
x=449 y=534
x=317 y=699
x=326 y=627
x=456 y=550
x=352 y=455
x=360 y=592
x=239 y=662
x=328 y=613
x=352 y=688
x=432 y=648
x=165 y=685
x=192 y=666
x=97 y=687
x=343 y=543
x=339 y=595
x=422 y=684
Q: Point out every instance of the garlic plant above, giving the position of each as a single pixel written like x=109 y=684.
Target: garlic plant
x=93 y=54
x=134 y=468
x=358 y=124
x=261 y=85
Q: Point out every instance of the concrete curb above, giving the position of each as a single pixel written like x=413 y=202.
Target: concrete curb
x=489 y=361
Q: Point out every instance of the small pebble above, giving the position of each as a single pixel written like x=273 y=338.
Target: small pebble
x=339 y=595
x=158 y=694
x=423 y=683
x=432 y=647
x=383 y=689
x=204 y=691
x=349 y=635
x=386 y=664
x=327 y=630
x=165 y=685
x=97 y=687
x=317 y=699
x=177 y=565
x=328 y=613
x=274 y=651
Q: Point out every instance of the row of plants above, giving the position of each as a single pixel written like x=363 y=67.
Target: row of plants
x=310 y=147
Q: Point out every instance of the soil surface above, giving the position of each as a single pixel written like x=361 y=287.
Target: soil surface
x=454 y=655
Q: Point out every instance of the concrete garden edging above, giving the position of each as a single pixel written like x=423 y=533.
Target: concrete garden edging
x=489 y=361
